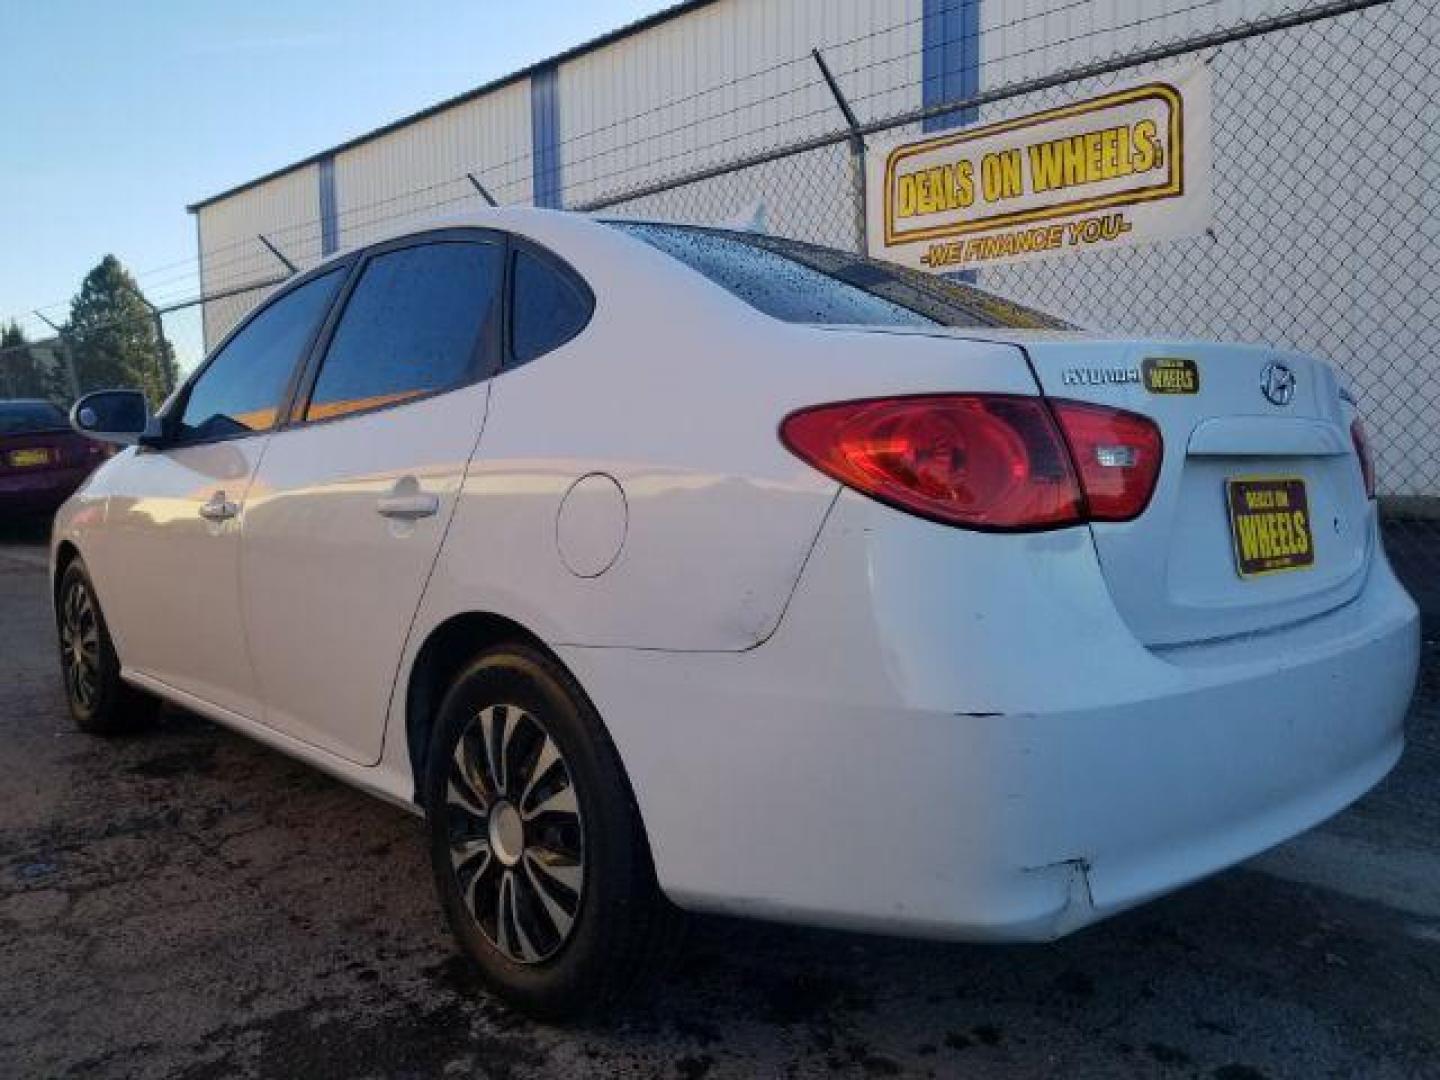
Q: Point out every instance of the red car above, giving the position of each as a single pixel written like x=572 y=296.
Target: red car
x=41 y=459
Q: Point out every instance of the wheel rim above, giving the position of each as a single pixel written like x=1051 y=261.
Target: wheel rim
x=80 y=646
x=517 y=845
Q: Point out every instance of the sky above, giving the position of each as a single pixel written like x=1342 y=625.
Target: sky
x=116 y=115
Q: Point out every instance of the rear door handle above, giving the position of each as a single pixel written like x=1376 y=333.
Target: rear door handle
x=218 y=508
x=408 y=507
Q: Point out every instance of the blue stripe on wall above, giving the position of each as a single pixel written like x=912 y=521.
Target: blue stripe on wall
x=950 y=59
x=950 y=68
x=329 y=223
x=545 y=136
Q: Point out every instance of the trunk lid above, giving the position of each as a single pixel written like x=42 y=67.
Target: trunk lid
x=1199 y=562
x=1173 y=571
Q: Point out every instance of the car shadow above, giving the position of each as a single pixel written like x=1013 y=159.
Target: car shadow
x=305 y=909
x=26 y=531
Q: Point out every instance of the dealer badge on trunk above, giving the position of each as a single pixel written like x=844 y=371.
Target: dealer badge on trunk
x=1171 y=375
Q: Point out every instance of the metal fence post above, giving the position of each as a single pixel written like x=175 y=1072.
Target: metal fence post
x=163 y=350
x=62 y=347
x=161 y=345
x=72 y=376
x=290 y=266
x=857 y=153
x=481 y=189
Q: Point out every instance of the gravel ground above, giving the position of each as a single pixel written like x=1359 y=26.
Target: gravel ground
x=184 y=903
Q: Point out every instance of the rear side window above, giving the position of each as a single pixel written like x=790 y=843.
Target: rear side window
x=240 y=390
x=548 y=307
x=807 y=283
x=414 y=325
x=23 y=417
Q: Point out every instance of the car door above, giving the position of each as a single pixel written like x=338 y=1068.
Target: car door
x=352 y=498
x=166 y=562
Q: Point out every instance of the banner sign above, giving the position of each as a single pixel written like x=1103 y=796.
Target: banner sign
x=1131 y=166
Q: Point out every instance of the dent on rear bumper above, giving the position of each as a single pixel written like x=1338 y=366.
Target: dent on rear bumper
x=954 y=735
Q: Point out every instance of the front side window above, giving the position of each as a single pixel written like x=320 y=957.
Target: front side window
x=548 y=307
x=240 y=390
x=806 y=283
x=414 y=325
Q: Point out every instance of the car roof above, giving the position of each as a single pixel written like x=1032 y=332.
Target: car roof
x=535 y=222
x=519 y=219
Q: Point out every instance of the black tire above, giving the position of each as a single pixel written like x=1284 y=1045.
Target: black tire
x=620 y=924
x=101 y=703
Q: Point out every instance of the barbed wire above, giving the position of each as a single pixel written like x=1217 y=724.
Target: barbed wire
x=1301 y=69
x=248 y=256
x=304 y=239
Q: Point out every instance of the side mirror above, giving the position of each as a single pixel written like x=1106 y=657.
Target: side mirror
x=121 y=417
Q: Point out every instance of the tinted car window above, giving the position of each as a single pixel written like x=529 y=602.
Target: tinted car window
x=411 y=327
x=548 y=307
x=807 y=283
x=23 y=417
x=240 y=389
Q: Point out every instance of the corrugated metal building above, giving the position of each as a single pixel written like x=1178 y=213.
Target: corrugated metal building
x=701 y=82
x=708 y=81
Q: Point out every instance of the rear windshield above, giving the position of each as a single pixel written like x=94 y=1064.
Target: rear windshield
x=807 y=283
x=23 y=417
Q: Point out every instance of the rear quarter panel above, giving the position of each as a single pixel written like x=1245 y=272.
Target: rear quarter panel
x=676 y=390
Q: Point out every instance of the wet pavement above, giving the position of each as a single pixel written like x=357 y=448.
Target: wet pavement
x=184 y=903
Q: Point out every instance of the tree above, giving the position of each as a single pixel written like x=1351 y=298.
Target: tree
x=30 y=371
x=113 y=337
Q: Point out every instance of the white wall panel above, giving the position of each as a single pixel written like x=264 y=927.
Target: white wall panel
x=729 y=79
x=1025 y=39
x=418 y=171
x=286 y=209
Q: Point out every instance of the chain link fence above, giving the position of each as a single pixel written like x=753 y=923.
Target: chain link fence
x=148 y=351
x=1325 y=233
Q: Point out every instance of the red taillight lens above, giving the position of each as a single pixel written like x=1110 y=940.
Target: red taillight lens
x=1362 y=451
x=985 y=461
x=1117 y=455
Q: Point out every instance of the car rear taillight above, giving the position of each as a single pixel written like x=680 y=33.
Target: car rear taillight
x=1362 y=451
x=1117 y=455
x=980 y=460
x=984 y=461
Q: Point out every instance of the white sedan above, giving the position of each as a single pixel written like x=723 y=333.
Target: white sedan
x=664 y=567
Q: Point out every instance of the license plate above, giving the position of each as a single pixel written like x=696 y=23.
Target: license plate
x=1270 y=525
x=21 y=458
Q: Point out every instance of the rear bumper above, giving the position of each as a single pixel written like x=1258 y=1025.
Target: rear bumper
x=955 y=735
x=1148 y=796
x=39 y=492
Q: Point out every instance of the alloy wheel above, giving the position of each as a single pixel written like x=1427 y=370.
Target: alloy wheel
x=80 y=646
x=517 y=844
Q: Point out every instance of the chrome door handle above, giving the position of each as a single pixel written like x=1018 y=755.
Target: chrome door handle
x=408 y=507
x=219 y=508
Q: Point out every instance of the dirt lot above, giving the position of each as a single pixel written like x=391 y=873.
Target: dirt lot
x=187 y=904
